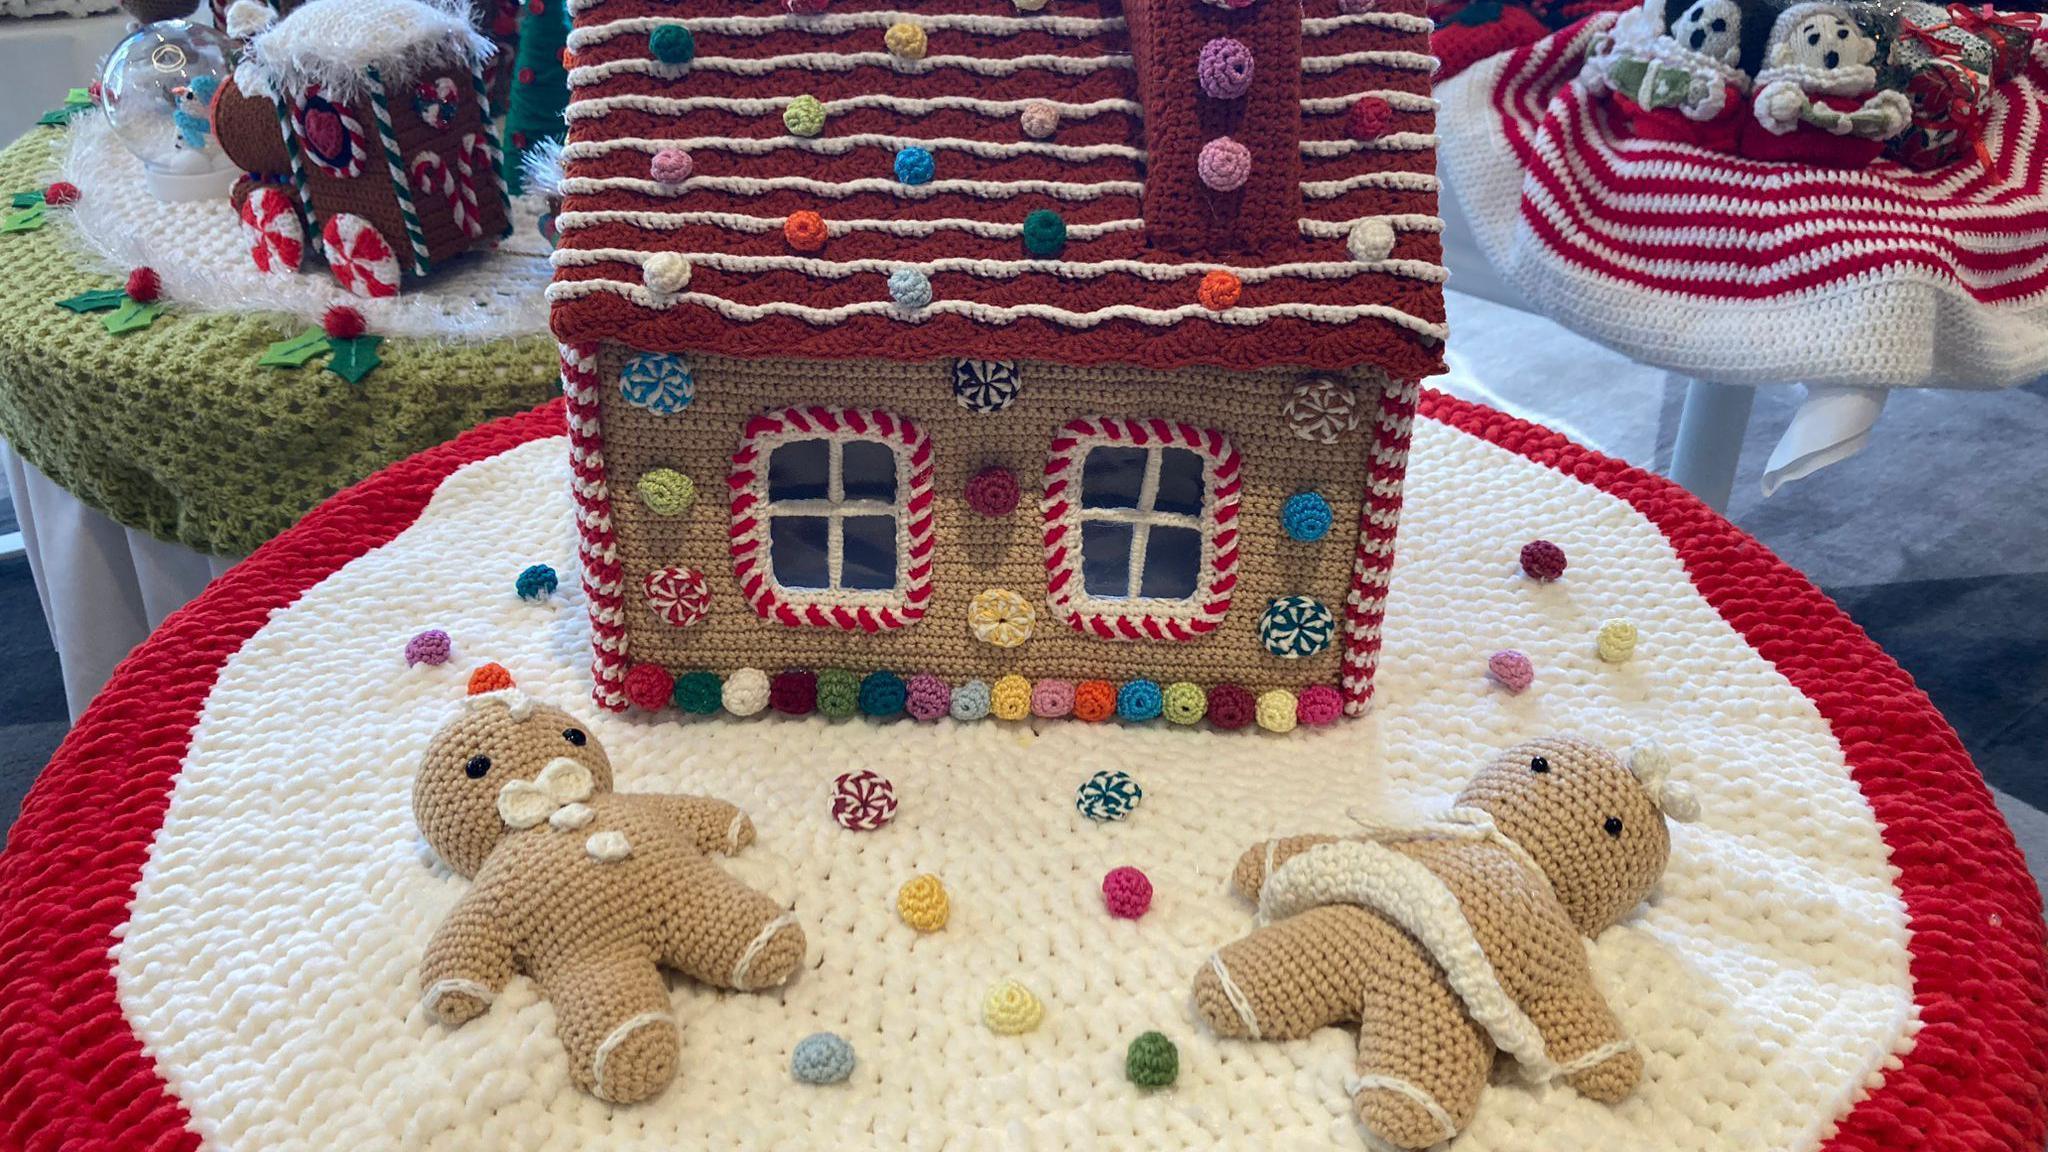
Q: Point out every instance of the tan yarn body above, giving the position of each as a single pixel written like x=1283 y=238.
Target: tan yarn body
x=1345 y=963
x=593 y=932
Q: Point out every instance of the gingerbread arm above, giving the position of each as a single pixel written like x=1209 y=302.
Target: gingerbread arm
x=1252 y=868
x=1582 y=1035
x=716 y=827
x=468 y=961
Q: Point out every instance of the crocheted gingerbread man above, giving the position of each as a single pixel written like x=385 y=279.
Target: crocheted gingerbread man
x=589 y=891
x=1452 y=941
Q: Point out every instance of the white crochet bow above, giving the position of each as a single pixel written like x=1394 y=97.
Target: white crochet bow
x=556 y=795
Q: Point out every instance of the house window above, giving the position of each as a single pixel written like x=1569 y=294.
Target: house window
x=832 y=519
x=1141 y=528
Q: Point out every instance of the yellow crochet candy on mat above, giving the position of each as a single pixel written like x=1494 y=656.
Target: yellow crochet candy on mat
x=1617 y=641
x=1001 y=617
x=1011 y=698
x=922 y=903
x=1010 y=1009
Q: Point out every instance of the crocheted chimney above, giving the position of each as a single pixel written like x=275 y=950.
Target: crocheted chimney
x=996 y=346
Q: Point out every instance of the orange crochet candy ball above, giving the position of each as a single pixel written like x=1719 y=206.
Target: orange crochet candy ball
x=805 y=231
x=1220 y=290
x=489 y=678
x=1094 y=700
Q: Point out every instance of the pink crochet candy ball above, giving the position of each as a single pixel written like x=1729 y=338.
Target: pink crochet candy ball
x=993 y=492
x=1511 y=670
x=1369 y=118
x=648 y=686
x=1052 y=699
x=928 y=697
x=671 y=166
x=429 y=647
x=1318 y=705
x=1224 y=164
x=1127 y=892
x=863 y=801
x=1225 y=68
x=1542 y=560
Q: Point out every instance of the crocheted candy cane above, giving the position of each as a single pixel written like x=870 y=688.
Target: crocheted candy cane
x=414 y=234
x=464 y=204
x=1652 y=769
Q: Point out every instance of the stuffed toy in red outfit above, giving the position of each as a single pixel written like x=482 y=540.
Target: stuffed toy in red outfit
x=1817 y=100
x=1674 y=70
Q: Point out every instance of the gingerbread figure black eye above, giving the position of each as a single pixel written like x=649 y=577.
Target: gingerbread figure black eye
x=574 y=736
x=477 y=766
x=1539 y=765
x=1613 y=827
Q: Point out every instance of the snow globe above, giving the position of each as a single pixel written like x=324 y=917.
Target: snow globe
x=157 y=88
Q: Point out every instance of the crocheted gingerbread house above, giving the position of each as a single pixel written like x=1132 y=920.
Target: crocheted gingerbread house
x=996 y=342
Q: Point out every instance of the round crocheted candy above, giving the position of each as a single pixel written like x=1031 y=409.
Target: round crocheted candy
x=805 y=116
x=1010 y=699
x=1108 y=795
x=343 y=322
x=659 y=382
x=745 y=692
x=678 y=594
x=1511 y=670
x=1369 y=118
x=1319 y=705
x=805 y=231
x=1296 y=626
x=429 y=647
x=671 y=166
x=1039 y=119
x=1224 y=164
x=882 y=694
x=649 y=686
x=672 y=44
x=838 y=692
x=862 y=801
x=536 y=582
x=923 y=904
x=697 y=693
x=905 y=41
x=1617 y=641
x=1094 y=700
x=793 y=692
x=1278 y=711
x=144 y=285
x=489 y=678
x=1185 y=702
x=665 y=273
x=927 y=697
x=914 y=165
x=1370 y=241
x=1000 y=617
x=993 y=492
x=1152 y=1061
x=910 y=288
x=1231 y=707
x=1010 y=1009
x=1323 y=409
x=1219 y=290
x=1052 y=699
x=665 y=491
x=1224 y=68
x=821 y=1058
x=971 y=701
x=1542 y=560
x=985 y=385
x=1127 y=892
x=1139 y=701
x=1045 y=233
x=1306 y=517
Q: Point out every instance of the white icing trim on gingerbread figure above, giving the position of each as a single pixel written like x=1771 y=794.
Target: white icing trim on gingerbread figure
x=1423 y=1100
x=431 y=998
x=1239 y=1002
x=740 y=968
x=616 y=1037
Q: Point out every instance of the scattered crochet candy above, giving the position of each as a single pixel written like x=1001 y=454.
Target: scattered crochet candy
x=1010 y=1009
x=1542 y=560
x=536 y=582
x=489 y=678
x=1511 y=670
x=863 y=801
x=923 y=904
x=821 y=1058
x=1152 y=1061
x=429 y=647
x=1617 y=641
x=1127 y=892
x=1108 y=795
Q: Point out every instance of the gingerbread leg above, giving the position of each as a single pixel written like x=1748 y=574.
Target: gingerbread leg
x=1261 y=858
x=614 y=1018
x=1292 y=977
x=1422 y=1061
x=727 y=935
x=1583 y=1037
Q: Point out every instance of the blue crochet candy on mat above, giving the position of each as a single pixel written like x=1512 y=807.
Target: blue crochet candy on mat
x=658 y=382
x=537 y=582
x=821 y=1058
x=1108 y=796
x=1296 y=626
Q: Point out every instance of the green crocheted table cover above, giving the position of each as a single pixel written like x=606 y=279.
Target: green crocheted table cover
x=175 y=430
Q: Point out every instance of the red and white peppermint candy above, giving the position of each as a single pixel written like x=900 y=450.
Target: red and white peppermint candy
x=863 y=801
x=277 y=237
x=681 y=596
x=359 y=258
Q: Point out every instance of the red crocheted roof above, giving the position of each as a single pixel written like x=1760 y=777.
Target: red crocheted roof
x=1305 y=236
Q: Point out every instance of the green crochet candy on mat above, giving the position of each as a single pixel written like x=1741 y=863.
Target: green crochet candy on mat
x=1153 y=1061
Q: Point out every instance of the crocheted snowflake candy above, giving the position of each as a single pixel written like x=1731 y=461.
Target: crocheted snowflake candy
x=1108 y=795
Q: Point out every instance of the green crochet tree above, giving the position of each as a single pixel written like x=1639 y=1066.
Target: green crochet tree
x=540 y=85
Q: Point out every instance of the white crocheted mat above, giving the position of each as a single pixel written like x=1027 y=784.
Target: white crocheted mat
x=271 y=962
x=203 y=257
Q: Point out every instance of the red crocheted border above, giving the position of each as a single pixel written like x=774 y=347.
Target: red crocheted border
x=74 y=1076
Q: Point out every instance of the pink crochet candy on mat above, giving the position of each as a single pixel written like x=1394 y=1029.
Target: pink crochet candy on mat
x=863 y=801
x=927 y=697
x=671 y=166
x=1511 y=670
x=1127 y=892
x=1224 y=164
x=429 y=647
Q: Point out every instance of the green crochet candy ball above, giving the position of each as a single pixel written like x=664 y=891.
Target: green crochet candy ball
x=1045 y=234
x=672 y=44
x=805 y=116
x=1153 y=1061
x=1185 y=702
x=667 y=492
x=698 y=693
x=838 y=692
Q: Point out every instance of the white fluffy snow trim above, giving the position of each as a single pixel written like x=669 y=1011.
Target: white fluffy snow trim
x=248 y=17
x=542 y=164
x=333 y=43
x=1400 y=888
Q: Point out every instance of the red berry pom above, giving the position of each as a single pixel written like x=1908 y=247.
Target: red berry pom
x=1369 y=118
x=1127 y=892
x=648 y=686
x=62 y=192
x=1542 y=560
x=526 y=75
x=794 y=693
x=344 y=323
x=144 y=285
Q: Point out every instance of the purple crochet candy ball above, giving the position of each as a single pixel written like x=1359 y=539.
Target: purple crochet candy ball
x=1511 y=670
x=671 y=166
x=1224 y=164
x=927 y=697
x=1542 y=560
x=429 y=647
x=1225 y=68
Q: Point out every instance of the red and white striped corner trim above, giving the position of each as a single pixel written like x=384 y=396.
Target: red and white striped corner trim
x=1139 y=619
x=1372 y=564
x=864 y=611
x=598 y=550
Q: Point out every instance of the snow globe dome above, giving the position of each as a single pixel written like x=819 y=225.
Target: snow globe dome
x=157 y=88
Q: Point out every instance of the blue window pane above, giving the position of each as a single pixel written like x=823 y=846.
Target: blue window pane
x=868 y=552
x=796 y=547
x=1111 y=477
x=800 y=470
x=1105 y=558
x=1180 y=482
x=1173 y=563
x=868 y=471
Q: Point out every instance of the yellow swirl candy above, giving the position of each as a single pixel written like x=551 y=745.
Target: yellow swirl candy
x=1001 y=617
x=922 y=903
x=1011 y=698
x=1617 y=641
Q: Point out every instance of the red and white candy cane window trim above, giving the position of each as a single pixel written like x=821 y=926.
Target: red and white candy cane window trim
x=832 y=603
x=1070 y=513
x=329 y=134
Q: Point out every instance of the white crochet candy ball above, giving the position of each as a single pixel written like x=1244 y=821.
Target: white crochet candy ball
x=745 y=692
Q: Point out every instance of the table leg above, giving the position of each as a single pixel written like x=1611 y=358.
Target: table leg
x=1710 y=429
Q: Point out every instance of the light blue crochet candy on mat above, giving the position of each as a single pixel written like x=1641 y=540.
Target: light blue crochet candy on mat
x=821 y=1058
x=1296 y=626
x=658 y=382
x=1108 y=795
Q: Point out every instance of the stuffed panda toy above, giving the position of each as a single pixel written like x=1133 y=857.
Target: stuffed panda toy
x=1816 y=97
x=1675 y=69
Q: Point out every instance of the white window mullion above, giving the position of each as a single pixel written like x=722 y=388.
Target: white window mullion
x=1141 y=531
x=835 y=496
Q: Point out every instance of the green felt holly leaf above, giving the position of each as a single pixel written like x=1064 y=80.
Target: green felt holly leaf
x=97 y=300
x=78 y=98
x=130 y=316
x=26 y=199
x=354 y=359
x=295 y=352
x=26 y=220
x=55 y=117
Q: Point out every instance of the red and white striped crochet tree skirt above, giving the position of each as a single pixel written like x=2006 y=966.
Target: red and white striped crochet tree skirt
x=1749 y=272
x=213 y=907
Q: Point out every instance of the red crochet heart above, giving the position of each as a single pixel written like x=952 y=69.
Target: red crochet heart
x=325 y=133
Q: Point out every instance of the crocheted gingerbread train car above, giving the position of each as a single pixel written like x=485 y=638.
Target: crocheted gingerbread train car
x=1063 y=347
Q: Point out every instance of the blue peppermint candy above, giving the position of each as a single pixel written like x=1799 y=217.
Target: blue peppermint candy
x=1108 y=796
x=985 y=385
x=1296 y=626
x=658 y=382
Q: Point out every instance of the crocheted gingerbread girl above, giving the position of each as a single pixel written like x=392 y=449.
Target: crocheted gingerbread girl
x=1455 y=940
x=589 y=891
